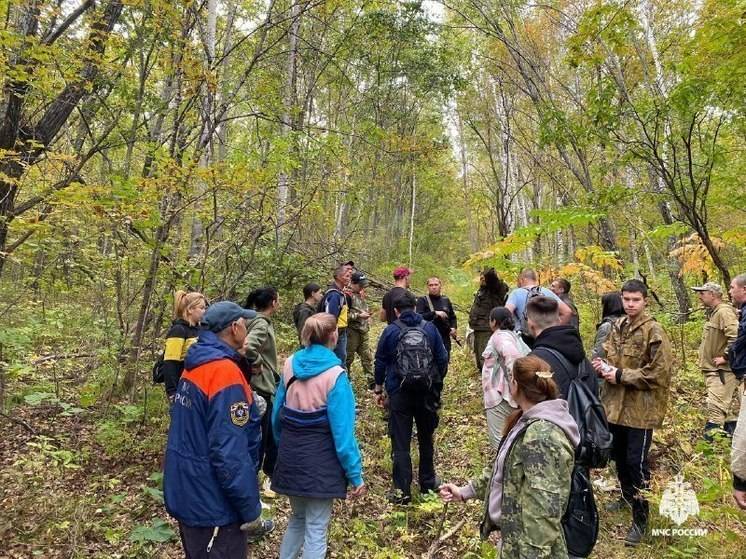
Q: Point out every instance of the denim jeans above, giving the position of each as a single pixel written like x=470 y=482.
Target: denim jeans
x=307 y=528
x=340 y=350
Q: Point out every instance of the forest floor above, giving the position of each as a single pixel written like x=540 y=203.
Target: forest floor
x=84 y=482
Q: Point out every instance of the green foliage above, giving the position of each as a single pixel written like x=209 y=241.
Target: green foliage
x=158 y=531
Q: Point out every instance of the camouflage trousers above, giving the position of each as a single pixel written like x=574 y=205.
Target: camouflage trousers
x=723 y=398
x=358 y=343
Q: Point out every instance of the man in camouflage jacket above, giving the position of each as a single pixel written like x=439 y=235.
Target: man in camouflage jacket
x=635 y=396
x=358 y=326
x=723 y=388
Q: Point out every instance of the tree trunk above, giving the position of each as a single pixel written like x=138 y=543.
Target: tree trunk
x=290 y=102
x=24 y=144
x=197 y=241
x=473 y=234
x=412 y=210
x=673 y=266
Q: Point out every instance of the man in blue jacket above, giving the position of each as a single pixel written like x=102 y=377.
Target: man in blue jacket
x=335 y=303
x=411 y=361
x=210 y=481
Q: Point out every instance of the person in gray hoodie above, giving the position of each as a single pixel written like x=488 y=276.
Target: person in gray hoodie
x=527 y=490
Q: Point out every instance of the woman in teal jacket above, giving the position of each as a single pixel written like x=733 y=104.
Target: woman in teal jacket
x=314 y=423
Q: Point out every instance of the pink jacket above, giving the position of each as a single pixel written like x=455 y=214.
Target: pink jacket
x=503 y=348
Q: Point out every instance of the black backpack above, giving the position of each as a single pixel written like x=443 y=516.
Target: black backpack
x=414 y=356
x=580 y=521
x=594 y=449
x=157 y=372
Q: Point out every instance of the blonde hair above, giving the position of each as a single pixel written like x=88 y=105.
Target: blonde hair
x=318 y=329
x=184 y=301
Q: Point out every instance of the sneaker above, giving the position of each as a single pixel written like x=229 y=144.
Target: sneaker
x=634 y=535
x=617 y=506
x=264 y=528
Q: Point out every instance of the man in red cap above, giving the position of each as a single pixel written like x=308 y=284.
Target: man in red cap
x=401 y=286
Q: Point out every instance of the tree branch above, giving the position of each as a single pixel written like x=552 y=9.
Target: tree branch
x=69 y=20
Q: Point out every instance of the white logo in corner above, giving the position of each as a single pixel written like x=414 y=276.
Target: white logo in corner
x=679 y=501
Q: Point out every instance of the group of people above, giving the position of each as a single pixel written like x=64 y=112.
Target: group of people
x=235 y=412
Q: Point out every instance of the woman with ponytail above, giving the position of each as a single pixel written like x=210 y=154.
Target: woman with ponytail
x=188 y=311
x=527 y=491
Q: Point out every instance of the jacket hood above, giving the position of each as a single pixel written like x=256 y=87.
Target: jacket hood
x=410 y=318
x=557 y=412
x=209 y=347
x=313 y=360
x=565 y=339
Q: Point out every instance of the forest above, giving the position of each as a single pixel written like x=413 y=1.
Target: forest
x=148 y=146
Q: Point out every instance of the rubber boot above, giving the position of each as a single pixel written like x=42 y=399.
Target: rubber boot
x=730 y=427
x=710 y=429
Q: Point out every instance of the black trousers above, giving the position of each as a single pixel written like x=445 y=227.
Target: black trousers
x=229 y=543
x=631 y=447
x=405 y=408
x=268 y=447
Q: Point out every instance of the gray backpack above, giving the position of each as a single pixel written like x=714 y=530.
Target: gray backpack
x=533 y=291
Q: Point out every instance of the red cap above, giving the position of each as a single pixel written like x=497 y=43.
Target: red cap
x=402 y=272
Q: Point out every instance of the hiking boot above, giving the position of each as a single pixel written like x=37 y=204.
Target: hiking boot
x=730 y=427
x=431 y=488
x=396 y=497
x=617 y=506
x=634 y=535
x=261 y=530
x=710 y=431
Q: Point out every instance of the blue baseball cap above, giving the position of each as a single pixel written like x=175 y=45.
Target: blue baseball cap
x=222 y=314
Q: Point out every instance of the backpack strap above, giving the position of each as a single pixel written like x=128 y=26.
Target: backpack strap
x=430 y=303
x=403 y=327
x=563 y=361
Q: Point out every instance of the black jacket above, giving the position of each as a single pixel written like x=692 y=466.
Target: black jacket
x=440 y=303
x=301 y=312
x=566 y=340
x=180 y=336
x=484 y=302
x=737 y=351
